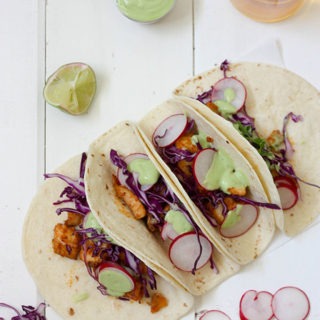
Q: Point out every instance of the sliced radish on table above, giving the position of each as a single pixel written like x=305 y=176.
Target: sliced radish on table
x=229 y=90
x=169 y=130
x=256 y=305
x=115 y=278
x=214 y=315
x=185 y=250
x=247 y=218
x=288 y=196
x=202 y=164
x=290 y=303
x=168 y=232
x=122 y=177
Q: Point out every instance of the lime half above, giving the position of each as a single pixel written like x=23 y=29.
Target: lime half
x=71 y=88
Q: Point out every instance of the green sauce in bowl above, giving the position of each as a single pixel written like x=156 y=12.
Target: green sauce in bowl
x=145 y=10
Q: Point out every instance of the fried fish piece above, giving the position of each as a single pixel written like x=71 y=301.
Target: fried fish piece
x=130 y=199
x=66 y=241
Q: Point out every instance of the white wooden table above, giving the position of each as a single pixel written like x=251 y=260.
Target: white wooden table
x=137 y=66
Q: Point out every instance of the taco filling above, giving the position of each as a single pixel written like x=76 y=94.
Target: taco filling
x=208 y=174
x=117 y=271
x=227 y=98
x=139 y=185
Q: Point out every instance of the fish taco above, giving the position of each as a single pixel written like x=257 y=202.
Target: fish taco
x=131 y=194
x=271 y=115
x=83 y=271
x=227 y=199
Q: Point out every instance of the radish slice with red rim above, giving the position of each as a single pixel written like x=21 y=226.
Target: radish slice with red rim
x=122 y=177
x=288 y=196
x=168 y=232
x=202 y=164
x=169 y=130
x=214 y=315
x=247 y=218
x=290 y=303
x=185 y=250
x=115 y=278
x=285 y=180
x=256 y=305
x=230 y=90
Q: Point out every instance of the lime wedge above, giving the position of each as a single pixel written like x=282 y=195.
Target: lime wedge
x=71 y=88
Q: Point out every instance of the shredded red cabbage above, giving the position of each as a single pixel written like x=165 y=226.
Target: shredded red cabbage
x=99 y=243
x=29 y=312
x=224 y=66
x=157 y=198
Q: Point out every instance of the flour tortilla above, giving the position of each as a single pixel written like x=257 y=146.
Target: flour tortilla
x=134 y=234
x=61 y=280
x=242 y=249
x=273 y=92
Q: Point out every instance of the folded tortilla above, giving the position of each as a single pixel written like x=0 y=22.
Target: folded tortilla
x=242 y=249
x=134 y=234
x=65 y=283
x=273 y=92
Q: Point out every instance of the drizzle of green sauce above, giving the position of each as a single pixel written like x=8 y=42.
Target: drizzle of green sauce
x=115 y=281
x=201 y=138
x=148 y=173
x=78 y=297
x=223 y=175
x=225 y=106
x=179 y=222
x=232 y=217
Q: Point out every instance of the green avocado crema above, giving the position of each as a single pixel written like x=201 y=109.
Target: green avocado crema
x=179 y=222
x=201 y=138
x=116 y=282
x=145 y=10
x=232 y=217
x=223 y=175
x=225 y=106
x=92 y=222
x=148 y=173
x=78 y=297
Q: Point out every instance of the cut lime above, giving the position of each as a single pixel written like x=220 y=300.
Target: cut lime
x=71 y=88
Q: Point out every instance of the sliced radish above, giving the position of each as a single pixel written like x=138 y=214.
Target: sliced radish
x=247 y=218
x=122 y=177
x=280 y=180
x=256 y=305
x=169 y=130
x=185 y=250
x=115 y=278
x=288 y=196
x=214 y=315
x=290 y=303
x=202 y=164
x=230 y=83
x=168 y=232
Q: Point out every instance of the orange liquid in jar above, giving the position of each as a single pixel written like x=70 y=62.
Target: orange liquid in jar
x=268 y=10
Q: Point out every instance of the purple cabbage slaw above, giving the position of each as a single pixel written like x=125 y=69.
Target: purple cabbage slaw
x=155 y=200
x=189 y=183
x=92 y=239
x=29 y=312
x=276 y=158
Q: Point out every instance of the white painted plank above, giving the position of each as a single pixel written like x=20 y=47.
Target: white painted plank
x=18 y=139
